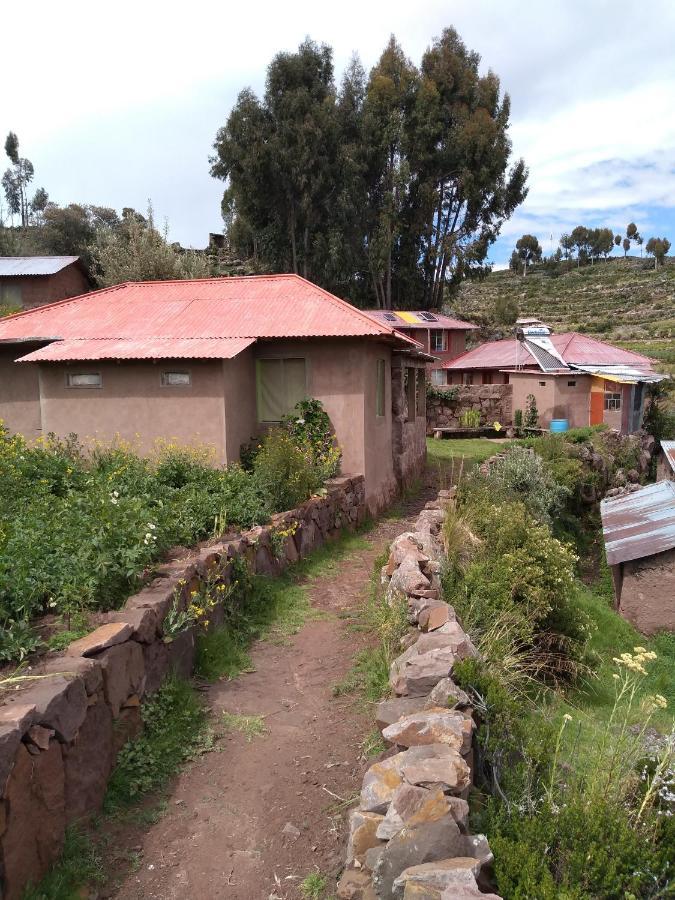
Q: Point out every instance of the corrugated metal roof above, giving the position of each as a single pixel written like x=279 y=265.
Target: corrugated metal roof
x=20 y=266
x=274 y=306
x=418 y=319
x=146 y=348
x=575 y=349
x=639 y=524
x=621 y=374
x=668 y=448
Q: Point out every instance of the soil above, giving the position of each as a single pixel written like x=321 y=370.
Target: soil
x=252 y=821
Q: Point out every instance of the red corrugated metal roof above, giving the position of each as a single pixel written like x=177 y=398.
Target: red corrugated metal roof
x=269 y=306
x=145 y=348
x=575 y=349
x=414 y=319
x=639 y=524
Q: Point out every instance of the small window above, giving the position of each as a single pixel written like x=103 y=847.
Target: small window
x=467 y=378
x=571 y=384
x=380 y=388
x=487 y=377
x=542 y=384
x=281 y=383
x=175 y=379
x=439 y=376
x=438 y=340
x=612 y=400
x=421 y=393
x=84 y=380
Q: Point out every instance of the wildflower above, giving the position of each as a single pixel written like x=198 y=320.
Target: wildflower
x=567 y=717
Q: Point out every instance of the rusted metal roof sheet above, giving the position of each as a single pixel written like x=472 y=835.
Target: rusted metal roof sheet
x=639 y=524
x=399 y=318
x=147 y=348
x=20 y=266
x=275 y=306
x=668 y=448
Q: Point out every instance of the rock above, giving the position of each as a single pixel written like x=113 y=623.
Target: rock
x=413 y=846
x=35 y=827
x=182 y=650
x=143 y=622
x=408 y=578
x=417 y=673
x=478 y=848
x=88 y=761
x=103 y=637
x=15 y=720
x=123 y=673
x=430 y=521
x=61 y=704
x=158 y=597
x=431 y=726
x=434 y=616
x=459 y=809
x=440 y=875
x=409 y=639
x=355 y=884
x=406 y=546
x=362 y=835
x=389 y=711
x=447 y=769
x=447 y=694
x=88 y=669
x=380 y=783
x=156 y=662
x=290 y=831
x=39 y=736
x=412 y=805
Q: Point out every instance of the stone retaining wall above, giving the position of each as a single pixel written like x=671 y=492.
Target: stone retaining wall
x=492 y=401
x=60 y=733
x=409 y=836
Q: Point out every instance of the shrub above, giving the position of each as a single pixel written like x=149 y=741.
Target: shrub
x=285 y=471
x=531 y=419
x=309 y=424
x=523 y=474
x=470 y=418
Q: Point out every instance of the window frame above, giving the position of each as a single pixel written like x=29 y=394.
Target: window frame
x=435 y=373
x=258 y=384
x=433 y=332
x=164 y=383
x=83 y=387
x=613 y=401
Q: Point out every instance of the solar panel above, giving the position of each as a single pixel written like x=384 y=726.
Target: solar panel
x=390 y=317
x=428 y=317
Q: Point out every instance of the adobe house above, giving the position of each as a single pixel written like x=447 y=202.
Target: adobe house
x=639 y=533
x=572 y=376
x=439 y=335
x=30 y=281
x=217 y=361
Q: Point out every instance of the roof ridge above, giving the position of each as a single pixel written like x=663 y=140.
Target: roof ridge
x=77 y=298
x=344 y=304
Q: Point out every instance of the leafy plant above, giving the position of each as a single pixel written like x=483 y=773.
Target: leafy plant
x=17 y=641
x=470 y=418
x=531 y=419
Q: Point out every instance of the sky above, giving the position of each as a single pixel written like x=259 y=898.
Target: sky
x=119 y=103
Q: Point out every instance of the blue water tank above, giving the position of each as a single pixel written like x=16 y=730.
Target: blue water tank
x=558 y=425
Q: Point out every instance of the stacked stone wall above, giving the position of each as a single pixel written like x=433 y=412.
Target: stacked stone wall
x=492 y=401
x=60 y=732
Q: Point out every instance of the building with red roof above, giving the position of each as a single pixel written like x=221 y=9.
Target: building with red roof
x=217 y=361
x=572 y=376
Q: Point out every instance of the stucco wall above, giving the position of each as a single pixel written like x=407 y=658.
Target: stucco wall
x=494 y=376
x=240 y=403
x=19 y=392
x=572 y=402
x=132 y=403
x=647 y=596
x=556 y=399
x=69 y=282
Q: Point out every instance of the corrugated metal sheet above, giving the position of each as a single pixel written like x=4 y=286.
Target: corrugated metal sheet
x=575 y=349
x=275 y=306
x=414 y=319
x=20 y=266
x=621 y=374
x=668 y=448
x=147 y=348
x=639 y=524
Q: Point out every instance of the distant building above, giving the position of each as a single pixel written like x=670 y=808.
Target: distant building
x=441 y=336
x=571 y=376
x=639 y=533
x=30 y=281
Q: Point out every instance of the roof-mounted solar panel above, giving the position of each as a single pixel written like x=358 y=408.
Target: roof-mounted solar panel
x=390 y=317
x=428 y=317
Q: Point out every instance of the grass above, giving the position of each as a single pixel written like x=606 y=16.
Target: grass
x=80 y=863
x=270 y=609
x=372 y=745
x=250 y=726
x=314 y=886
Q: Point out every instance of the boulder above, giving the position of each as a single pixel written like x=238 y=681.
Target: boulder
x=88 y=762
x=431 y=726
x=362 y=835
x=446 y=694
x=440 y=875
x=410 y=806
x=182 y=650
x=414 y=674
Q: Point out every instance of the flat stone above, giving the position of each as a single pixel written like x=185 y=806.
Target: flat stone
x=450 y=771
x=434 y=616
x=123 y=673
x=61 y=704
x=431 y=726
x=412 y=805
x=143 y=622
x=103 y=637
x=439 y=875
x=362 y=835
x=158 y=597
x=89 y=670
x=447 y=694
x=390 y=711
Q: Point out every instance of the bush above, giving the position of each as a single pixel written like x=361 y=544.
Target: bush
x=286 y=471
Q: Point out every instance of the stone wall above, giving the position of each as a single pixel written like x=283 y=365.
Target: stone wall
x=409 y=835
x=60 y=733
x=492 y=401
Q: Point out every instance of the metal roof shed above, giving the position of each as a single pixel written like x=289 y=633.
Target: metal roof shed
x=639 y=524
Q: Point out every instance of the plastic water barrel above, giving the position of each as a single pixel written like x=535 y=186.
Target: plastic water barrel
x=558 y=425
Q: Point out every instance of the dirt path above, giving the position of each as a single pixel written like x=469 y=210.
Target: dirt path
x=250 y=822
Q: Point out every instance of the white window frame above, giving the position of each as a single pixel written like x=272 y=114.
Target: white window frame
x=613 y=401
x=439 y=377
x=434 y=332
x=71 y=376
x=166 y=379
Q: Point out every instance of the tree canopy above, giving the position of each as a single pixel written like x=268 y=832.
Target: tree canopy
x=389 y=189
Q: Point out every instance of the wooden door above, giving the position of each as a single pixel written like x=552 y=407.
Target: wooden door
x=597 y=407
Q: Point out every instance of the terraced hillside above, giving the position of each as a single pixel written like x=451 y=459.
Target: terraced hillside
x=623 y=301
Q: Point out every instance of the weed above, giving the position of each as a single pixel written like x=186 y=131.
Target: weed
x=250 y=726
x=80 y=864
x=372 y=745
x=314 y=886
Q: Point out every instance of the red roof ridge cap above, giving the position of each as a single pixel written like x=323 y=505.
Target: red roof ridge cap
x=385 y=329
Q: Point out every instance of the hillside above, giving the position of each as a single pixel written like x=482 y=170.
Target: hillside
x=619 y=300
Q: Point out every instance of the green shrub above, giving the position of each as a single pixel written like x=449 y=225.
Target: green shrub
x=285 y=471
x=531 y=418
x=309 y=424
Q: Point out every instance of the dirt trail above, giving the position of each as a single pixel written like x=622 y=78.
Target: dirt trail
x=223 y=834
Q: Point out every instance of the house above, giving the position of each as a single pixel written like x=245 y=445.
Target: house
x=571 y=376
x=665 y=462
x=439 y=335
x=30 y=281
x=639 y=533
x=217 y=361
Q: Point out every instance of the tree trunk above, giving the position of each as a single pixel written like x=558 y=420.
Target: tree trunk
x=306 y=249
x=294 y=253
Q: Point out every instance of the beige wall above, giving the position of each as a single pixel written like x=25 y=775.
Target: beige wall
x=556 y=399
x=19 y=392
x=132 y=403
x=241 y=422
x=572 y=402
x=647 y=592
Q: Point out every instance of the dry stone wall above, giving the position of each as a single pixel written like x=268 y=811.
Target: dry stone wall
x=60 y=732
x=409 y=836
x=446 y=405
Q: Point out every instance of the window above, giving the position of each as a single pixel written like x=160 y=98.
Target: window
x=380 y=388
x=467 y=378
x=439 y=376
x=84 y=380
x=542 y=384
x=612 y=400
x=175 y=379
x=438 y=340
x=280 y=384
x=410 y=393
x=487 y=377
x=571 y=384
x=421 y=393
